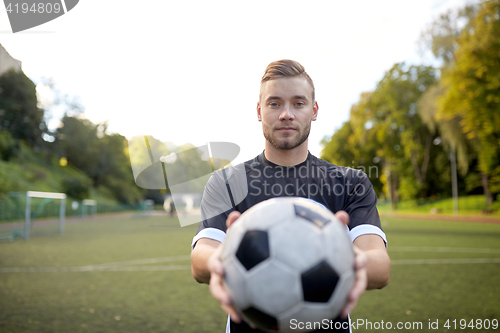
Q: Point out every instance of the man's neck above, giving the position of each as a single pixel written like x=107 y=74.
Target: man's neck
x=286 y=157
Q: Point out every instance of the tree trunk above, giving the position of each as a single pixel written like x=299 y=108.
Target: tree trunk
x=393 y=189
x=425 y=163
x=486 y=189
x=421 y=171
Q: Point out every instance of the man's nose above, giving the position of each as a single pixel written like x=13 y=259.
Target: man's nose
x=286 y=113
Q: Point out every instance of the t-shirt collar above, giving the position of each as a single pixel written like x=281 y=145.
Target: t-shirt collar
x=266 y=162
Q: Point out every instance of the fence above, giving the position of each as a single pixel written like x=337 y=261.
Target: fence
x=13 y=206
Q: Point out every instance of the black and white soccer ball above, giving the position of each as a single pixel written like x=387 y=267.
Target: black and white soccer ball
x=288 y=260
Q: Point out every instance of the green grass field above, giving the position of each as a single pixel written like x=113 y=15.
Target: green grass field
x=467 y=205
x=132 y=275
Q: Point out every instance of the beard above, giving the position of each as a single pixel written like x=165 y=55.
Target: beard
x=287 y=142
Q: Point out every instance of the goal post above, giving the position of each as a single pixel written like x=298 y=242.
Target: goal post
x=46 y=195
x=85 y=204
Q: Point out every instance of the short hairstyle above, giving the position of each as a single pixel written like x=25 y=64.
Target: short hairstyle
x=284 y=69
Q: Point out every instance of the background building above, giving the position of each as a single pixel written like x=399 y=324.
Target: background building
x=7 y=62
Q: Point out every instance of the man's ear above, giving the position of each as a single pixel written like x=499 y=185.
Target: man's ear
x=315 y=111
x=259 y=116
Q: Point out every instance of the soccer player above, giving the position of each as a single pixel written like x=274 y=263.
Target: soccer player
x=286 y=108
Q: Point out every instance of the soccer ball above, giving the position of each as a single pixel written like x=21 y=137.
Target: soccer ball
x=288 y=259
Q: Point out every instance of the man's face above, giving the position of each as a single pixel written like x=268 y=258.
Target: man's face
x=286 y=110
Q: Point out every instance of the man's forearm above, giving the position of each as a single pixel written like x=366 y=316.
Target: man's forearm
x=378 y=265
x=378 y=268
x=199 y=257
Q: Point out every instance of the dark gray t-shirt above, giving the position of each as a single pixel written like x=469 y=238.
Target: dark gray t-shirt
x=245 y=185
x=338 y=188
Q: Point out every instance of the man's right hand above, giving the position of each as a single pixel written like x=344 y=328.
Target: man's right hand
x=216 y=269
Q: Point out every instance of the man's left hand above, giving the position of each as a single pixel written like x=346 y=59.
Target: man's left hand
x=361 y=281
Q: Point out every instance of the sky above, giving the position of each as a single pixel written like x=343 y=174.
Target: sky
x=189 y=71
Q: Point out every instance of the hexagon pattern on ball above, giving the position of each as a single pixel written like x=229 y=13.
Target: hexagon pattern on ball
x=318 y=283
x=270 y=212
x=261 y=319
x=297 y=252
x=311 y=215
x=235 y=284
x=316 y=312
x=274 y=287
x=253 y=249
x=304 y=312
x=338 y=244
x=233 y=239
x=336 y=302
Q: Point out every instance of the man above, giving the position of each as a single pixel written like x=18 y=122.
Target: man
x=286 y=108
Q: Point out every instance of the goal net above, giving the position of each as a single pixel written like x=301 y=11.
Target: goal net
x=33 y=209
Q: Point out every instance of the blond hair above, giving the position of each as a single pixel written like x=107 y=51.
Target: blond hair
x=285 y=69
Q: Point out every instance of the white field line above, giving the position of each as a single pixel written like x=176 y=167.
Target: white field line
x=441 y=249
x=94 y=269
x=125 y=268
x=120 y=266
x=143 y=261
x=445 y=261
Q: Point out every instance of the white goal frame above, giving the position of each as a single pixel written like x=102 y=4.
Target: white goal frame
x=85 y=204
x=48 y=195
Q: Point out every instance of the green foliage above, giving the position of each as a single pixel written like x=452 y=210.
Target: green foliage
x=77 y=140
x=441 y=36
x=351 y=146
x=449 y=131
x=98 y=162
x=407 y=189
x=393 y=109
x=394 y=129
x=414 y=120
x=20 y=176
x=336 y=150
x=473 y=181
x=187 y=164
x=385 y=130
x=31 y=173
x=190 y=163
x=473 y=84
x=139 y=157
x=19 y=113
x=77 y=188
x=8 y=146
x=7 y=182
x=103 y=157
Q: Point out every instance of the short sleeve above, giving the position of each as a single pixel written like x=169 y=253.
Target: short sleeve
x=215 y=208
x=361 y=205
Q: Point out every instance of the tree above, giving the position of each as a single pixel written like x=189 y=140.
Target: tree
x=9 y=147
x=338 y=149
x=113 y=168
x=103 y=157
x=19 y=111
x=449 y=131
x=140 y=159
x=441 y=36
x=404 y=140
x=56 y=105
x=385 y=130
x=473 y=84
x=77 y=139
x=351 y=146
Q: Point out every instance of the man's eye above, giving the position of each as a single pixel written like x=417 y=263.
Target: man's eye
x=273 y=104
x=300 y=103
